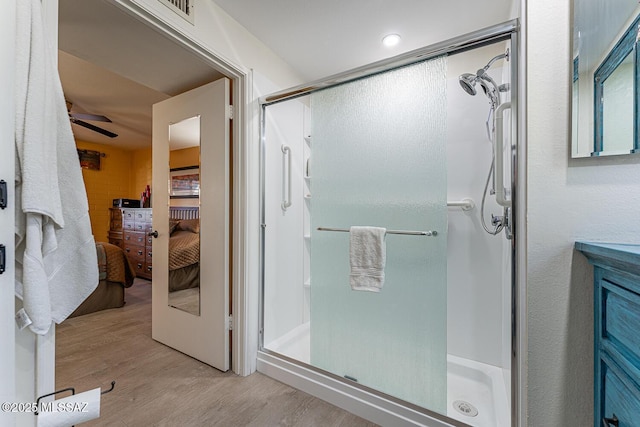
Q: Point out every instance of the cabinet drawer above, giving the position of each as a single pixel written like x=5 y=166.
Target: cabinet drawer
x=135 y=253
x=141 y=226
x=134 y=238
x=129 y=214
x=621 y=320
x=139 y=267
x=140 y=216
x=148 y=257
x=129 y=225
x=116 y=224
x=620 y=396
x=149 y=216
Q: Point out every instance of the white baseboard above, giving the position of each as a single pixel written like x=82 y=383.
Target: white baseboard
x=364 y=404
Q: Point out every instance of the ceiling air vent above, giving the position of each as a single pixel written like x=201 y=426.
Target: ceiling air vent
x=183 y=8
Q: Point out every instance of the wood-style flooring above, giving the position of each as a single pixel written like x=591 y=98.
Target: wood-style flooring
x=159 y=386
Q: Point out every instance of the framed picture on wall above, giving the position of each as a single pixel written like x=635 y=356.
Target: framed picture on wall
x=184 y=183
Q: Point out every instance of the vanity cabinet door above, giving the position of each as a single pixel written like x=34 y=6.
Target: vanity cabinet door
x=620 y=397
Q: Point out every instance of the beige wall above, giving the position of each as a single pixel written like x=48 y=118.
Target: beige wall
x=122 y=174
x=141 y=164
x=112 y=181
x=185 y=157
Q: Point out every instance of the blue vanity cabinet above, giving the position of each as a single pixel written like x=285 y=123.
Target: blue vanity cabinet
x=617 y=332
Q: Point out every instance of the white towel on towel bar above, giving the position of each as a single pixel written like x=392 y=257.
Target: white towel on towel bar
x=367 y=257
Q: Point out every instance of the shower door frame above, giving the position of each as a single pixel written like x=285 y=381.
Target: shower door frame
x=294 y=372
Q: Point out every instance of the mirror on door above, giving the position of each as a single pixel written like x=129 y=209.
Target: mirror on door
x=184 y=215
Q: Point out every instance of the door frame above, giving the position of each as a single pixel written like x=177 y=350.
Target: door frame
x=245 y=338
x=7 y=216
x=244 y=345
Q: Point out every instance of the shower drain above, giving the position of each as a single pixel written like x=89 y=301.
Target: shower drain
x=465 y=408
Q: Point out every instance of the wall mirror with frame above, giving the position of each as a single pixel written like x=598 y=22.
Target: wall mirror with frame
x=605 y=87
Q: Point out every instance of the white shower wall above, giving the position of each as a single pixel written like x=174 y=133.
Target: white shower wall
x=477 y=315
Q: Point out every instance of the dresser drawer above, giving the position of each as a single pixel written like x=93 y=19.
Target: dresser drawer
x=620 y=396
x=129 y=215
x=140 y=215
x=141 y=227
x=148 y=256
x=135 y=253
x=129 y=225
x=134 y=238
x=139 y=267
x=149 y=216
x=620 y=321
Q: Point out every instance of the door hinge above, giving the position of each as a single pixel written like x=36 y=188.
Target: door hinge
x=230 y=110
x=230 y=322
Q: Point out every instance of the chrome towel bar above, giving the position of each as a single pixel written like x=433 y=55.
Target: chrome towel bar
x=410 y=233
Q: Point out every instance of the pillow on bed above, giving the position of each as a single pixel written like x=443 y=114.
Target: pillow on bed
x=192 y=225
x=173 y=224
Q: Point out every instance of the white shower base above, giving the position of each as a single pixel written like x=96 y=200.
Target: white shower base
x=477 y=383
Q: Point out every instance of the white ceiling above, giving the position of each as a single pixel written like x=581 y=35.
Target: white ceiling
x=115 y=66
x=321 y=38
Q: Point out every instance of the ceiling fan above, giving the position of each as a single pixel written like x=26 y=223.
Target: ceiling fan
x=79 y=119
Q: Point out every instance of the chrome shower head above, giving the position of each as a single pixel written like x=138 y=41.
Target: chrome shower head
x=468 y=83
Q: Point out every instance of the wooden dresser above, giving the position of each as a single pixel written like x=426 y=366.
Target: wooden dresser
x=616 y=271
x=129 y=228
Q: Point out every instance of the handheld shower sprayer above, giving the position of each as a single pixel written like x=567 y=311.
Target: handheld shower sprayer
x=468 y=81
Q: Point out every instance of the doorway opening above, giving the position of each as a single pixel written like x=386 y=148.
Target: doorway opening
x=102 y=36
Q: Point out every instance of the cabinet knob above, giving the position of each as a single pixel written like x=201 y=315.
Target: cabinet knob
x=609 y=422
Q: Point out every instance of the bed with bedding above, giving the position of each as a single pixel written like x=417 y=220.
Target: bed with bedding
x=115 y=274
x=184 y=248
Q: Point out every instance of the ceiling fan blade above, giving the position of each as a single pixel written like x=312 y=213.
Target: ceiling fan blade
x=94 y=117
x=94 y=128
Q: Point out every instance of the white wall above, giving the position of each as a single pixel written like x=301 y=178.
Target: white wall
x=284 y=245
x=583 y=199
x=474 y=258
x=7 y=117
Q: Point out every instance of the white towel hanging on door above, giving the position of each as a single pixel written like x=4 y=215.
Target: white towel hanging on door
x=56 y=262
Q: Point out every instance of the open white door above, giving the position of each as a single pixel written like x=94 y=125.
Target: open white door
x=198 y=327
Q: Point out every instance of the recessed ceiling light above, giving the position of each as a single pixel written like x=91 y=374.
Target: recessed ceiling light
x=391 y=40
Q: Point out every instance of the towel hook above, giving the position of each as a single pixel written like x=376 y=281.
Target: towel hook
x=73 y=392
x=113 y=385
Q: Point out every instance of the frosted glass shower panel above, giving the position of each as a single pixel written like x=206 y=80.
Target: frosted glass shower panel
x=378 y=158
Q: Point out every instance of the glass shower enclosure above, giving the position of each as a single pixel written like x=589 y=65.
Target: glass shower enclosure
x=370 y=153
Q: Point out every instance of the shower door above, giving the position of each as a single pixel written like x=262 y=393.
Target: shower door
x=367 y=153
x=378 y=158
